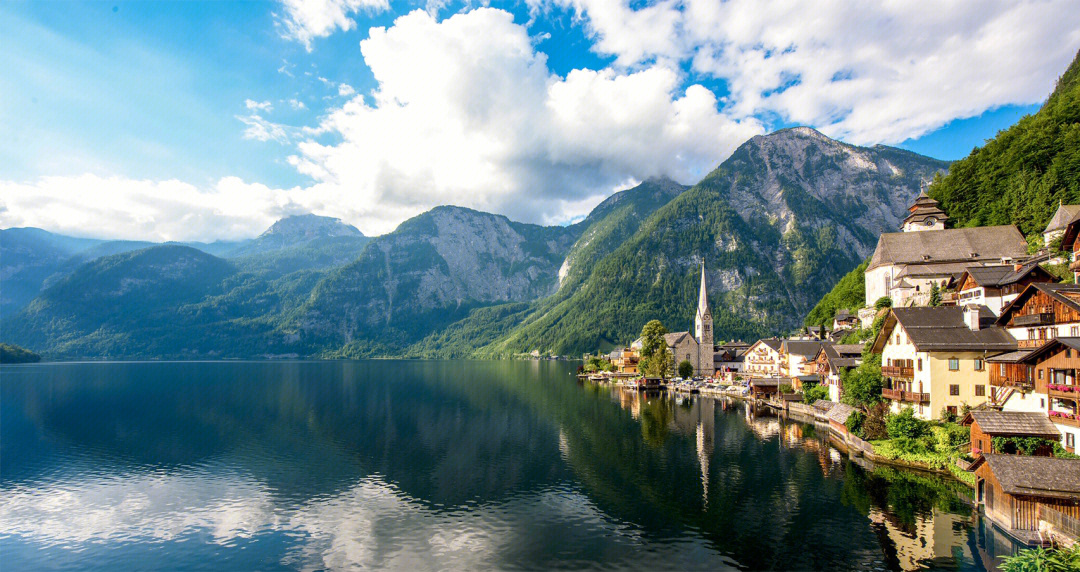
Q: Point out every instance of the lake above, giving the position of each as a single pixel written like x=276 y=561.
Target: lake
x=440 y=465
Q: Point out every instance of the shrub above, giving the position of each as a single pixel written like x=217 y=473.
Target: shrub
x=905 y=424
x=947 y=416
x=786 y=388
x=686 y=369
x=874 y=425
x=813 y=393
x=1042 y=560
x=883 y=302
x=855 y=422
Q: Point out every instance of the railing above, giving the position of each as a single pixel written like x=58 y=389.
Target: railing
x=1017 y=383
x=897 y=372
x=1064 y=418
x=1022 y=344
x=905 y=396
x=1062 y=390
x=1063 y=523
x=1034 y=319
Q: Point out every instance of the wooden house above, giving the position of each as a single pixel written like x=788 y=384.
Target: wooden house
x=996 y=285
x=1042 y=312
x=1024 y=495
x=831 y=361
x=766 y=387
x=988 y=423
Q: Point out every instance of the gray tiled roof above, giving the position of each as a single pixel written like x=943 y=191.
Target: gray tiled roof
x=773 y=343
x=766 y=381
x=1036 y=476
x=999 y=275
x=1028 y=423
x=942 y=328
x=1010 y=357
x=1062 y=217
x=673 y=338
x=1067 y=294
x=806 y=348
x=950 y=245
x=840 y=412
x=824 y=405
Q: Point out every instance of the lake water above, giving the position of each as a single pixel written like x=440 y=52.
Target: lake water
x=439 y=465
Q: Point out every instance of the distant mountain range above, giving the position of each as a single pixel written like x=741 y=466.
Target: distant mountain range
x=777 y=224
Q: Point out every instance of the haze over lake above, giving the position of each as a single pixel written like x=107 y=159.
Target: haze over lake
x=438 y=465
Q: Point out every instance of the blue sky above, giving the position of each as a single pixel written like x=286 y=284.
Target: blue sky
x=177 y=120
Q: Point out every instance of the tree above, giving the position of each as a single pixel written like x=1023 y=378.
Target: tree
x=862 y=385
x=656 y=361
x=686 y=369
x=883 y=302
x=815 y=392
x=906 y=425
x=935 y=294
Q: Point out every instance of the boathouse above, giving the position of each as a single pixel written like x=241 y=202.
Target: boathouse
x=1029 y=496
x=987 y=424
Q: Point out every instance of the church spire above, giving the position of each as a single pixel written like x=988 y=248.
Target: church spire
x=703 y=295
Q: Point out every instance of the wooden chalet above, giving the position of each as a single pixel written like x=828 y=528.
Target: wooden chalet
x=997 y=285
x=766 y=387
x=1042 y=312
x=988 y=423
x=1025 y=495
x=830 y=362
x=1071 y=243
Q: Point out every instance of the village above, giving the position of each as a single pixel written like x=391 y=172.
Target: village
x=962 y=360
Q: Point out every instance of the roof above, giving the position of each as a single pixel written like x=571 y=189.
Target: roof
x=824 y=405
x=999 y=275
x=840 y=413
x=842 y=355
x=1067 y=294
x=843 y=315
x=1035 y=476
x=766 y=381
x=942 y=328
x=1010 y=357
x=1062 y=217
x=1028 y=423
x=773 y=343
x=673 y=338
x=849 y=349
x=949 y=245
x=806 y=348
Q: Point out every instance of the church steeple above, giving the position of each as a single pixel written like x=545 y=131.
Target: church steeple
x=703 y=295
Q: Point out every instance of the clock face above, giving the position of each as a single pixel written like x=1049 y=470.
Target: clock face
x=930 y=222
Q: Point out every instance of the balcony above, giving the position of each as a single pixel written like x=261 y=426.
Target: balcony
x=905 y=396
x=897 y=372
x=1030 y=344
x=1021 y=384
x=1040 y=319
x=1064 y=418
x=1065 y=391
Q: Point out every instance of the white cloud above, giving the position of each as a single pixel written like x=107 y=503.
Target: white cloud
x=261 y=129
x=263 y=106
x=345 y=90
x=467 y=112
x=305 y=20
x=867 y=72
x=297 y=104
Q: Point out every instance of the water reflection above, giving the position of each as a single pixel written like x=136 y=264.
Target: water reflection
x=437 y=465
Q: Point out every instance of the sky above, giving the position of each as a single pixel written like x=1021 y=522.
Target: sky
x=211 y=120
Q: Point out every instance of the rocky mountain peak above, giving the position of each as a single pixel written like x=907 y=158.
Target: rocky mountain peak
x=308 y=227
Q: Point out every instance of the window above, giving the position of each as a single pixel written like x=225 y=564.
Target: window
x=1040 y=373
x=951 y=409
x=978 y=364
x=897 y=337
x=1070 y=440
x=920 y=364
x=1074 y=331
x=1031 y=333
x=980 y=391
x=954 y=389
x=1001 y=369
x=954 y=364
x=1042 y=403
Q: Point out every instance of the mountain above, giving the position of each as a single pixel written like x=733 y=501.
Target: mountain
x=428 y=273
x=1019 y=176
x=777 y=224
x=28 y=256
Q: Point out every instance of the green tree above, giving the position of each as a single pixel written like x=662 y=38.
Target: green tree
x=883 y=302
x=862 y=385
x=656 y=360
x=686 y=369
x=906 y=425
x=935 y=294
x=815 y=392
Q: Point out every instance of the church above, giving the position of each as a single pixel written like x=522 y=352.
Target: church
x=697 y=348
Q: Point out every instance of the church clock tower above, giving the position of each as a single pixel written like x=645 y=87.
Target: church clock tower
x=703 y=330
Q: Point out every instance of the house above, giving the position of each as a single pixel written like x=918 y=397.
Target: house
x=1024 y=495
x=987 y=423
x=796 y=355
x=831 y=361
x=729 y=358
x=697 y=348
x=905 y=265
x=934 y=358
x=766 y=387
x=1045 y=381
x=996 y=285
x=1041 y=313
x=626 y=360
x=1069 y=243
x=762 y=359
x=845 y=320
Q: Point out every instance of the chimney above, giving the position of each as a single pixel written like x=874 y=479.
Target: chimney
x=1017 y=267
x=971 y=317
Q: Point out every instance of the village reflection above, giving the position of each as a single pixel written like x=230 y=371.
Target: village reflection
x=921 y=521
